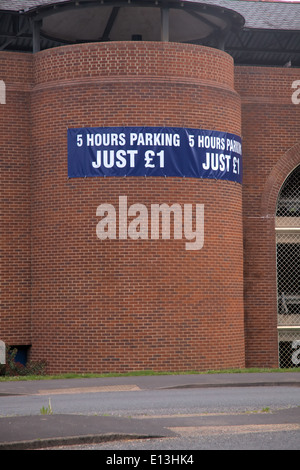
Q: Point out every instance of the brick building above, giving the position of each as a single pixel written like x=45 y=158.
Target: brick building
x=173 y=81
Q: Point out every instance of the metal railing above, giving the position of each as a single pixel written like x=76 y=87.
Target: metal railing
x=288 y=271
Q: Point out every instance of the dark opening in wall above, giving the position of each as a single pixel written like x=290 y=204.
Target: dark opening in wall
x=22 y=354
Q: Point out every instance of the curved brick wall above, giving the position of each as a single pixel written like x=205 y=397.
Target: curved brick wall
x=123 y=305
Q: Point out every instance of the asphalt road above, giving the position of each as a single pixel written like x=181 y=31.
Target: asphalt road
x=154 y=403
x=210 y=419
x=163 y=414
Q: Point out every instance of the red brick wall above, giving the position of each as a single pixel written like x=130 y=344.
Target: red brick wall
x=122 y=305
x=271 y=130
x=16 y=71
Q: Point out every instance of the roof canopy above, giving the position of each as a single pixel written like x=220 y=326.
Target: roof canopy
x=261 y=33
x=123 y=20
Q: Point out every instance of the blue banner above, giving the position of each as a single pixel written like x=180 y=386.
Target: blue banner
x=154 y=151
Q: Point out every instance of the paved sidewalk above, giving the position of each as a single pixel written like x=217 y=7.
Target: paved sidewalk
x=37 y=431
x=153 y=382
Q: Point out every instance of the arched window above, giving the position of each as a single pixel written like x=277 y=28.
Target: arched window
x=288 y=270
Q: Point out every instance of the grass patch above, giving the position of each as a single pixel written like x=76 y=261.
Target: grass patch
x=142 y=373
